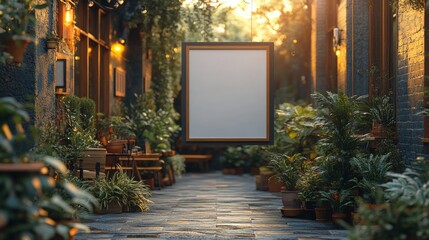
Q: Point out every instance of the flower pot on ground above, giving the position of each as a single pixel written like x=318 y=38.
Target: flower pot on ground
x=232 y=171
x=292 y=212
x=322 y=214
x=338 y=217
x=338 y=200
x=263 y=180
x=274 y=185
x=290 y=199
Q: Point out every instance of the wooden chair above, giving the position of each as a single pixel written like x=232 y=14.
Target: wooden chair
x=114 y=161
x=149 y=162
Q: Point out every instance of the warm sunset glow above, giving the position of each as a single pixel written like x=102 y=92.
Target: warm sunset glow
x=287 y=6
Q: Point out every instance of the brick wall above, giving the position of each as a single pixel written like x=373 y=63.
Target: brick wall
x=353 y=59
x=318 y=46
x=410 y=84
x=358 y=72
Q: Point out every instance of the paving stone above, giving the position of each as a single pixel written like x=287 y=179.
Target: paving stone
x=209 y=206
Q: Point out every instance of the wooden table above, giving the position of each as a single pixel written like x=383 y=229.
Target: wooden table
x=134 y=163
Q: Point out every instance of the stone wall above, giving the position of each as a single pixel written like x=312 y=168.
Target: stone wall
x=410 y=82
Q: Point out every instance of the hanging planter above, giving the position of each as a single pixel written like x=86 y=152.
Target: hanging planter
x=16 y=47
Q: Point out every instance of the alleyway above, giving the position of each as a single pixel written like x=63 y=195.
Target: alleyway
x=210 y=206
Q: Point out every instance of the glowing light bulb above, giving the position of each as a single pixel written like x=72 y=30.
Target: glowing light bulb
x=90 y=3
x=68 y=17
x=338 y=52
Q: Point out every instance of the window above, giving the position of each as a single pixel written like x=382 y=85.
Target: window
x=92 y=55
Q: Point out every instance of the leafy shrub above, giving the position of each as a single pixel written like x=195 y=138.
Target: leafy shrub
x=122 y=190
x=371 y=173
x=403 y=216
x=178 y=163
x=287 y=169
x=233 y=157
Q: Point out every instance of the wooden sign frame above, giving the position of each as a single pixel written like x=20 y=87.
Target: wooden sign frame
x=227 y=93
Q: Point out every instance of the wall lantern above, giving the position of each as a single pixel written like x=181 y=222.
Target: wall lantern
x=68 y=15
x=337 y=40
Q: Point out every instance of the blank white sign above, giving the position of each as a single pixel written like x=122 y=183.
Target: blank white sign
x=228 y=93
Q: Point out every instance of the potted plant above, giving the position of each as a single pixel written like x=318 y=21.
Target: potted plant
x=15 y=17
x=309 y=184
x=338 y=200
x=287 y=170
x=402 y=214
x=114 y=132
x=232 y=160
x=52 y=40
x=26 y=188
x=120 y=192
x=371 y=173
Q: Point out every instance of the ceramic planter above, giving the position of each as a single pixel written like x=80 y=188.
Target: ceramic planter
x=290 y=199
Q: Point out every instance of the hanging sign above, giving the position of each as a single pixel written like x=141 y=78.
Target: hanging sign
x=227 y=93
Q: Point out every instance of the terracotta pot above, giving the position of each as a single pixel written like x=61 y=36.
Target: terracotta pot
x=322 y=214
x=264 y=181
x=16 y=48
x=290 y=199
x=291 y=212
x=232 y=171
x=254 y=171
x=274 y=185
x=116 y=146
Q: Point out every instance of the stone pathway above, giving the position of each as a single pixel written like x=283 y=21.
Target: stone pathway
x=210 y=206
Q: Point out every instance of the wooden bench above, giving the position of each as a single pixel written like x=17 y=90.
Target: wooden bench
x=202 y=160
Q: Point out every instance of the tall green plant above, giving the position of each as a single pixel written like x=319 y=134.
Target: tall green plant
x=339 y=115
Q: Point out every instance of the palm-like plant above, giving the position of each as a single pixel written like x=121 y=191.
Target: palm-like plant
x=372 y=171
x=122 y=190
x=339 y=115
x=287 y=169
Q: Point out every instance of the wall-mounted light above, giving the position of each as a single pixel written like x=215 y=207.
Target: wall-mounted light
x=117 y=48
x=143 y=10
x=68 y=15
x=336 y=39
